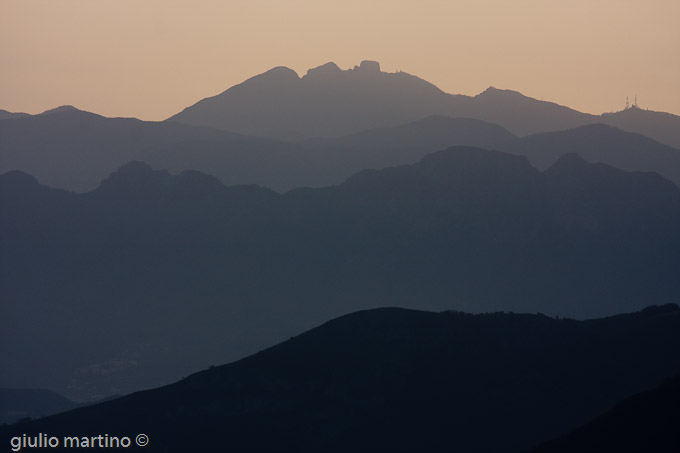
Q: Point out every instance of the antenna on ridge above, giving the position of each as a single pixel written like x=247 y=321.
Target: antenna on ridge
x=635 y=105
x=626 y=102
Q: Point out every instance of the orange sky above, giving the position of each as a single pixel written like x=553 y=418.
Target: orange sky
x=151 y=58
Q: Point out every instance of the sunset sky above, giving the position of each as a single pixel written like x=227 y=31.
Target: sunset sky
x=151 y=58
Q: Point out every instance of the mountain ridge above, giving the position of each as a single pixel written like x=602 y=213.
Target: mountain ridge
x=352 y=102
x=396 y=378
x=465 y=228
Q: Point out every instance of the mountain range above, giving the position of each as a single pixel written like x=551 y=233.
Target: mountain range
x=133 y=253
x=330 y=102
x=153 y=275
x=393 y=379
x=75 y=150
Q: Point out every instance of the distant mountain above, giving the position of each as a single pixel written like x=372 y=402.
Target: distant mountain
x=70 y=149
x=19 y=404
x=324 y=162
x=326 y=102
x=329 y=102
x=521 y=114
x=644 y=422
x=391 y=379
x=5 y=115
x=61 y=109
x=600 y=143
x=662 y=127
x=213 y=273
x=74 y=150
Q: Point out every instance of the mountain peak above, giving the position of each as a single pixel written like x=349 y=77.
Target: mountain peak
x=368 y=66
x=324 y=69
x=61 y=108
x=281 y=72
x=497 y=92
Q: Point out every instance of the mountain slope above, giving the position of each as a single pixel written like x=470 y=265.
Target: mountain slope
x=242 y=267
x=400 y=379
x=600 y=143
x=521 y=114
x=330 y=102
x=74 y=150
x=71 y=149
x=326 y=102
x=5 y=115
x=644 y=422
x=661 y=126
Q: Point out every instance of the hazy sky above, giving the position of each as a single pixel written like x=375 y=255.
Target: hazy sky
x=151 y=58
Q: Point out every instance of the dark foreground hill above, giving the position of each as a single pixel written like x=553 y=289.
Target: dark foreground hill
x=391 y=379
x=153 y=275
x=648 y=422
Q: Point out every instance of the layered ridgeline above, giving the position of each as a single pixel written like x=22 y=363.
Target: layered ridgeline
x=72 y=149
x=330 y=102
x=391 y=379
x=75 y=150
x=152 y=276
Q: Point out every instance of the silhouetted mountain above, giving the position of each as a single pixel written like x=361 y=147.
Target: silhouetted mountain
x=521 y=114
x=391 y=379
x=323 y=162
x=661 y=126
x=153 y=275
x=5 y=115
x=61 y=109
x=330 y=102
x=326 y=102
x=75 y=150
x=18 y=404
x=645 y=422
x=600 y=143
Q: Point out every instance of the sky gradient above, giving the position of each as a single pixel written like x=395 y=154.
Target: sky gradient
x=151 y=58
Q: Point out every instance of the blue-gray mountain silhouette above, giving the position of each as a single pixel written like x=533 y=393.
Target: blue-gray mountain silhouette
x=600 y=143
x=5 y=115
x=75 y=150
x=391 y=379
x=330 y=102
x=153 y=275
x=71 y=149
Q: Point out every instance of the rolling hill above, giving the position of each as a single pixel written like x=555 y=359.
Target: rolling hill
x=393 y=379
